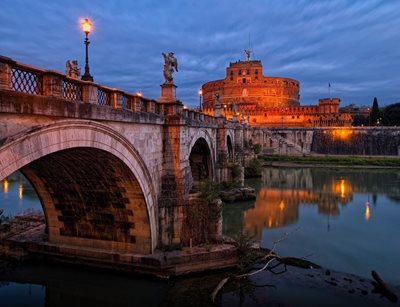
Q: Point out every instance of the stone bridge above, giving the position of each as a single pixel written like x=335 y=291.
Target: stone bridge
x=112 y=170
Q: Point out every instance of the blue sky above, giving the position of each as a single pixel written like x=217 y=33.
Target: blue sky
x=354 y=45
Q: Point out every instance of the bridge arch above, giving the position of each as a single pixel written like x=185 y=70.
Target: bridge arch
x=95 y=162
x=201 y=155
x=229 y=147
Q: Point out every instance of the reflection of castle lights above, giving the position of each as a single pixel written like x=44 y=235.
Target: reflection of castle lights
x=5 y=186
x=20 y=191
x=367 y=213
x=281 y=205
x=342 y=189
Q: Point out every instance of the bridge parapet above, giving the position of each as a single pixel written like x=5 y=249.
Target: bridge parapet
x=36 y=81
x=28 y=79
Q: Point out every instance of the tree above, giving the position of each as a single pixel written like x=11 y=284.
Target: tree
x=375 y=114
x=360 y=120
x=391 y=115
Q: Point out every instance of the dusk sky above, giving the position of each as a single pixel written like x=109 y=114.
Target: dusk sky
x=354 y=45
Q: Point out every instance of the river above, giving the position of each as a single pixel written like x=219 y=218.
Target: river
x=344 y=219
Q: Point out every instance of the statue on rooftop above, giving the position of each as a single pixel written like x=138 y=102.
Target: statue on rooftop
x=73 y=71
x=170 y=64
x=248 y=52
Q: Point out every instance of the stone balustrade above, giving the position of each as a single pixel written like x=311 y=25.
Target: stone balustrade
x=32 y=80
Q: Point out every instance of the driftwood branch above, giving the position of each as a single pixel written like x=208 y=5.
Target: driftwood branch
x=383 y=288
x=270 y=257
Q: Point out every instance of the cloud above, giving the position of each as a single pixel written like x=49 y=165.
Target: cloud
x=352 y=44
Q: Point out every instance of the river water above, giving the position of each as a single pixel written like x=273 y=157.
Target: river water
x=344 y=219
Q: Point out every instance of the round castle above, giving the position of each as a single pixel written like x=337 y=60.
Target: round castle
x=247 y=95
x=245 y=83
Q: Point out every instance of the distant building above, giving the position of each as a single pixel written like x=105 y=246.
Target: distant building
x=247 y=94
x=356 y=110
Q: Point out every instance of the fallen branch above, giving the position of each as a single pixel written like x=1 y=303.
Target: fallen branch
x=271 y=254
x=383 y=288
x=218 y=288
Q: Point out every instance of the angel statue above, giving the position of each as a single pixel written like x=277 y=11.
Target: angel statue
x=170 y=63
x=73 y=71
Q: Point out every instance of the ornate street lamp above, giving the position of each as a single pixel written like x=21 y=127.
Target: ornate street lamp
x=200 y=95
x=86 y=27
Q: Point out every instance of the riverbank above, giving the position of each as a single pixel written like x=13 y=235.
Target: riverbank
x=24 y=238
x=332 y=161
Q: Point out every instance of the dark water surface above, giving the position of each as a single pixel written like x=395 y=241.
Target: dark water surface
x=345 y=219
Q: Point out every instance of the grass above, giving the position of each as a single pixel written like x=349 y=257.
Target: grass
x=338 y=160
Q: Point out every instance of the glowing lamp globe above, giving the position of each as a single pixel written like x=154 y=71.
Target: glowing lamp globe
x=86 y=26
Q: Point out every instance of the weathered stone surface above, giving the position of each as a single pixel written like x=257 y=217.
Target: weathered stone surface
x=236 y=194
x=111 y=178
x=343 y=141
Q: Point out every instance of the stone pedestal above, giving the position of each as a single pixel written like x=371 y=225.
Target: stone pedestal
x=168 y=92
x=6 y=65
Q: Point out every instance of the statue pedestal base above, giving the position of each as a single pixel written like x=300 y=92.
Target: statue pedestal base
x=168 y=92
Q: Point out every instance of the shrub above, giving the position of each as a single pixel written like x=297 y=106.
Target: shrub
x=257 y=148
x=209 y=191
x=253 y=169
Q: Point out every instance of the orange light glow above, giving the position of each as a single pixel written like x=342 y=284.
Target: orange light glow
x=342 y=189
x=5 y=186
x=86 y=26
x=367 y=213
x=281 y=205
x=20 y=191
x=139 y=94
x=342 y=134
x=200 y=92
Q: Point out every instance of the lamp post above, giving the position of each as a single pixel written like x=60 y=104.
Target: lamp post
x=200 y=95
x=86 y=27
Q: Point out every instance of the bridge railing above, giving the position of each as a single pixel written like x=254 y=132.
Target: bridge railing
x=35 y=81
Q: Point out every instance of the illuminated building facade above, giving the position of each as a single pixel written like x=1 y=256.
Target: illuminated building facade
x=248 y=95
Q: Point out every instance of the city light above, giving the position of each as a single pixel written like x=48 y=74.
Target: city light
x=86 y=26
x=341 y=134
x=5 y=186
x=367 y=213
x=20 y=191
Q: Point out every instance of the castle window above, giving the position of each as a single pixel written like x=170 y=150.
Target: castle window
x=248 y=72
x=244 y=80
x=240 y=71
x=256 y=71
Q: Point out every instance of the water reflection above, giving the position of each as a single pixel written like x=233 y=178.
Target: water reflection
x=342 y=215
x=38 y=284
x=17 y=195
x=285 y=190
